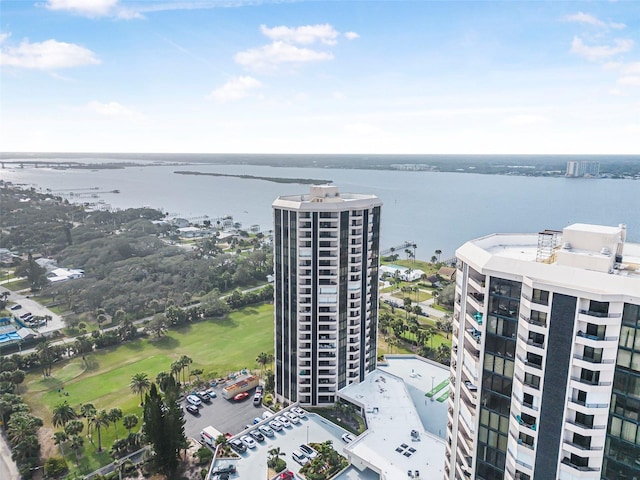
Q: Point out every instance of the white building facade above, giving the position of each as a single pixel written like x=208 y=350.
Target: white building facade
x=546 y=357
x=326 y=261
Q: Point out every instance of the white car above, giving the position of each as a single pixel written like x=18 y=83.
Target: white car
x=293 y=417
x=194 y=400
x=266 y=430
x=299 y=457
x=300 y=412
x=347 y=437
x=284 y=421
x=308 y=451
x=276 y=425
x=248 y=441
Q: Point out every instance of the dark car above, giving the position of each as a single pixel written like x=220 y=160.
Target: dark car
x=17 y=306
x=256 y=435
x=25 y=315
x=204 y=396
x=228 y=469
x=238 y=446
x=192 y=409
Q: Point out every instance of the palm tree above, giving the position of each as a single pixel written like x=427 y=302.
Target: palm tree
x=161 y=380
x=99 y=420
x=114 y=415
x=62 y=413
x=140 y=384
x=46 y=354
x=74 y=427
x=176 y=367
x=130 y=421
x=274 y=457
x=87 y=410
x=77 y=443
x=438 y=252
x=262 y=359
x=21 y=426
x=185 y=361
x=58 y=439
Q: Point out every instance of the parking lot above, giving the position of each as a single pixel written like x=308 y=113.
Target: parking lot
x=313 y=429
x=223 y=415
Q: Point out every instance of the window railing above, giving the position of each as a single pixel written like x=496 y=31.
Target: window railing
x=598 y=338
x=593 y=360
x=580 y=468
x=591 y=382
x=589 y=405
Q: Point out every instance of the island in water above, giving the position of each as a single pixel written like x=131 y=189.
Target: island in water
x=304 y=181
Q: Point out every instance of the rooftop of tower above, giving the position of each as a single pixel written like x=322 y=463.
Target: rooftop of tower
x=326 y=197
x=577 y=248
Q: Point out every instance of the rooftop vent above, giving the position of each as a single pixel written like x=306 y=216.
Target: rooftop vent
x=566 y=246
x=605 y=251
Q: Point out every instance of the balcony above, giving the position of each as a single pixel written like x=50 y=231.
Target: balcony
x=593 y=383
x=529 y=425
x=586 y=405
x=580 y=468
x=595 y=341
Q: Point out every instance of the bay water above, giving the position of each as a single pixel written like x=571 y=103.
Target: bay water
x=433 y=210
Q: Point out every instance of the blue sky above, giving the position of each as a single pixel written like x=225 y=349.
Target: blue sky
x=320 y=77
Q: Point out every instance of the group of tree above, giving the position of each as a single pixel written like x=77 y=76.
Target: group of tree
x=327 y=463
x=22 y=432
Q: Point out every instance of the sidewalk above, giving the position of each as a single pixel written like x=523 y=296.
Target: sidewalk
x=8 y=468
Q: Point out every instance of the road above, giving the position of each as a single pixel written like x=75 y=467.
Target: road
x=8 y=468
x=426 y=305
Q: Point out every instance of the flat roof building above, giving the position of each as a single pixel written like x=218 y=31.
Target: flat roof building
x=546 y=357
x=326 y=259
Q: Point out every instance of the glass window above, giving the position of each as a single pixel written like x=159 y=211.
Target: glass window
x=540 y=296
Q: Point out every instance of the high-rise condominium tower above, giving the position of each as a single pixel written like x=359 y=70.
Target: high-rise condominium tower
x=326 y=256
x=546 y=357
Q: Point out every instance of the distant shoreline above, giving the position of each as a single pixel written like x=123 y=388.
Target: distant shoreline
x=303 y=181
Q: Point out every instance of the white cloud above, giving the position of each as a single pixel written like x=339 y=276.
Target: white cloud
x=235 y=89
x=305 y=35
x=600 y=52
x=632 y=68
x=629 y=81
x=270 y=56
x=47 y=55
x=526 y=119
x=86 y=8
x=589 y=19
x=110 y=109
x=351 y=35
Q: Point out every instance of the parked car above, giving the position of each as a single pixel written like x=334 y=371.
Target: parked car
x=299 y=457
x=266 y=430
x=284 y=421
x=248 y=441
x=347 y=437
x=204 y=396
x=193 y=400
x=228 y=469
x=300 y=412
x=238 y=446
x=259 y=389
x=308 y=451
x=257 y=420
x=276 y=425
x=241 y=396
x=288 y=475
x=257 y=399
x=292 y=417
x=258 y=437
x=26 y=314
x=211 y=392
x=192 y=409
x=17 y=306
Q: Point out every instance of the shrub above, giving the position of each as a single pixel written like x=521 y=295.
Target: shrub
x=55 y=466
x=204 y=455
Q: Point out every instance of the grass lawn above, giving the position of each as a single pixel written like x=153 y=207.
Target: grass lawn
x=427 y=267
x=17 y=285
x=216 y=346
x=423 y=295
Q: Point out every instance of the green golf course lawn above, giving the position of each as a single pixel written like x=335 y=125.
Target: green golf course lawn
x=218 y=346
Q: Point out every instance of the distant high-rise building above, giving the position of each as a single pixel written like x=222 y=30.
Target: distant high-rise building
x=546 y=357
x=584 y=168
x=326 y=257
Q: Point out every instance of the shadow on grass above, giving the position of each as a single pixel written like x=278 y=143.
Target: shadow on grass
x=51 y=383
x=226 y=322
x=166 y=343
x=133 y=345
x=91 y=363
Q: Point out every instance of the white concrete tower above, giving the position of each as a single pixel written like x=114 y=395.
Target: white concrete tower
x=546 y=357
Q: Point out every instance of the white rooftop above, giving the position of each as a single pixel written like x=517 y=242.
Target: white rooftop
x=388 y=447
x=326 y=197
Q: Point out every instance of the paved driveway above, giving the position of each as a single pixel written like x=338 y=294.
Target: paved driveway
x=29 y=305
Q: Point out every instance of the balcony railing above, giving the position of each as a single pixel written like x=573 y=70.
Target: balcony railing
x=591 y=382
x=587 y=427
x=589 y=405
x=591 y=313
x=593 y=360
x=598 y=338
